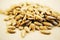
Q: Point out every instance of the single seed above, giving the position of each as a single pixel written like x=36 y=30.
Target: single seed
x=45 y=32
x=24 y=17
x=11 y=27
x=37 y=23
x=54 y=22
x=47 y=24
x=23 y=22
x=28 y=23
x=26 y=29
x=10 y=31
x=7 y=19
x=37 y=27
x=32 y=26
x=49 y=28
x=43 y=27
x=23 y=33
x=20 y=27
x=50 y=17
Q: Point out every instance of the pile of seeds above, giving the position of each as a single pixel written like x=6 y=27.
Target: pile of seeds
x=29 y=17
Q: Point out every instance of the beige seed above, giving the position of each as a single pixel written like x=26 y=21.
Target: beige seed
x=50 y=17
x=11 y=27
x=58 y=24
x=43 y=27
x=30 y=18
x=28 y=23
x=32 y=26
x=38 y=18
x=41 y=15
x=7 y=19
x=18 y=8
x=10 y=31
x=58 y=17
x=54 y=14
x=23 y=33
x=49 y=28
x=45 y=32
x=37 y=27
x=47 y=24
x=26 y=29
x=24 y=17
x=23 y=22
x=48 y=13
x=14 y=11
x=18 y=17
x=54 y=22
x=37 y=23
x=28 y=4
x=13 y=22
x=20 y=27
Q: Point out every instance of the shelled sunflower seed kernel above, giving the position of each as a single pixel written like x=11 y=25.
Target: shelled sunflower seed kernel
x=30 y=17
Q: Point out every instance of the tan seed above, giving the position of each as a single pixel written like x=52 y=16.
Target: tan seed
x=47 y=24
x=26 y=29
x=23 y=33
x=45 y=32
x=32 y=26
x=11 y=27
x=10 y=31
x=37 y=23
x=21 y=27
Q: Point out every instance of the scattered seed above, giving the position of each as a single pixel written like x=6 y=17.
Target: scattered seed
x=30 y=17
x=10 y=31
x=23 y=33
x=11 y=27
x=45 y=32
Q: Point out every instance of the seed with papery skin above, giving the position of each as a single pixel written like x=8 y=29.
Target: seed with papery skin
x=47 y=24
x=37 y=27
x=11 y=27
x=10 y=31
x=50 y=17
x=6 y=19
x=54 y=14
x=23 y=33
x=21 y=27
x=54 y=22
x=45 y=32
x=30 y=17
x=49 y=28
x=32 y=26
x=37 y=23
x=43 y=27
x=24 y=17
x=28 y=23
x=26 y=29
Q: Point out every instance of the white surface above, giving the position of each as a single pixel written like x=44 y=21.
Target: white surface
x=55 y=32
x=55 y=4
